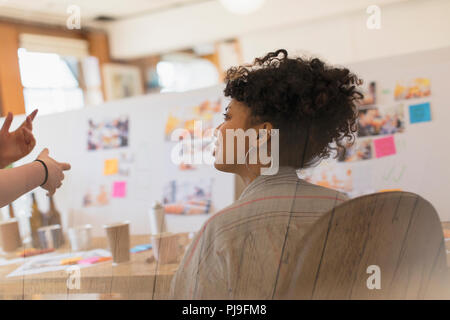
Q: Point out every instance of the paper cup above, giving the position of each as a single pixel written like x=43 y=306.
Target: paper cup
x=80 y=237
x=166 y=248
x=10 y=235
x=118 y=235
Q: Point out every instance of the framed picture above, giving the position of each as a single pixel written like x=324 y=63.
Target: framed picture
x=122 y=81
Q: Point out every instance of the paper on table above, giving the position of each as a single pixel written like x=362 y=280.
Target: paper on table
x=48 y=263
x=5 y=262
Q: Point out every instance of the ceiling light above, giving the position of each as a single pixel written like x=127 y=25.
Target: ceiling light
x=242 y=6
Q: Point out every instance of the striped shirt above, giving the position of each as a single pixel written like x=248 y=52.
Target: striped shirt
x=240 y=251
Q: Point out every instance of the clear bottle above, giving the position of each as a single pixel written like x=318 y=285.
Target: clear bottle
x=36 y=221
x=53 y=216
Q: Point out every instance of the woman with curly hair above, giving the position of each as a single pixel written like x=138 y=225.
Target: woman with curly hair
x=242 y=252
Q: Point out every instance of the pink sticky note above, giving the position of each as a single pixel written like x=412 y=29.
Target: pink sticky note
x=89 y=260
x=119 y=189
x=384 y=147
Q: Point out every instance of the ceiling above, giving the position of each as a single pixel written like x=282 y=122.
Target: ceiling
x=55 y=11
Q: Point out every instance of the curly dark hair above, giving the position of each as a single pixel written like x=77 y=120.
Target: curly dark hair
x=313 y=105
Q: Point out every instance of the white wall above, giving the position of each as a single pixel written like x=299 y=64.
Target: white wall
x=406 y=27
x=335 y=30
x=209 y=21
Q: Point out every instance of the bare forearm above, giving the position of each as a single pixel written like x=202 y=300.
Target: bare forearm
x=15 y=182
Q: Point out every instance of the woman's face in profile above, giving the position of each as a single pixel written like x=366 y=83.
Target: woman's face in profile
x=236 y=116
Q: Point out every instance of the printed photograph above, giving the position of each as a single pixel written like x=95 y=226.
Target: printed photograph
x=96 y=198
x=415 y=88
x=191 y=154
x=188 y=197
x=108 y=134
x=185 y=118
x=332 y=176
x=373 y=121
x=370 y=94
x=359 y=150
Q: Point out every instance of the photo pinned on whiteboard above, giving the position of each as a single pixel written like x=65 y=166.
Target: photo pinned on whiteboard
x=369 y=92
x=347 y=178
x=190 y=155
x=97 y=198
x=329 y=175
x=377 y=120
x=185 y=119
x=188 y=197
x=414 y=88
x=361 y=149
x=108 y=134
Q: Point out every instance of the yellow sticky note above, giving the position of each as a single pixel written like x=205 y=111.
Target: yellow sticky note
x=111 y=167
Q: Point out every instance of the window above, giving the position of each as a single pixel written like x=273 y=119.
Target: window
x=50 y=82
x=179 y=75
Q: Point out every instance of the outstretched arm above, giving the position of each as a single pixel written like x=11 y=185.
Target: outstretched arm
x=15 y=182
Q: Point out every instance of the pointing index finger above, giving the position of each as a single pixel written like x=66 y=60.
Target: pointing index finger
x=64 y=166
x=33 y=114
x=7 y=123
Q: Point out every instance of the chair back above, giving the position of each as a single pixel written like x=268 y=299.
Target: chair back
x=379 y=246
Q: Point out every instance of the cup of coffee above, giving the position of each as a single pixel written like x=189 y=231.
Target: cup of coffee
x=118 y=235
x=50 y=237
x=166 y=248
x=10 y=235
x=80 y=237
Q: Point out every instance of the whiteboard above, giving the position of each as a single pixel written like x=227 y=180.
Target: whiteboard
x=422 y=160
x=66 y=134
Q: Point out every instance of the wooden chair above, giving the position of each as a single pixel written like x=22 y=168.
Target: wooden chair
x=399 y=232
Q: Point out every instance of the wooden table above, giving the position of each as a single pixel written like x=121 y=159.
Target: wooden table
x=136 y=279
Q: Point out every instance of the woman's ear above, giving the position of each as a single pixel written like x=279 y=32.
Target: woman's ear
x=264 y=133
